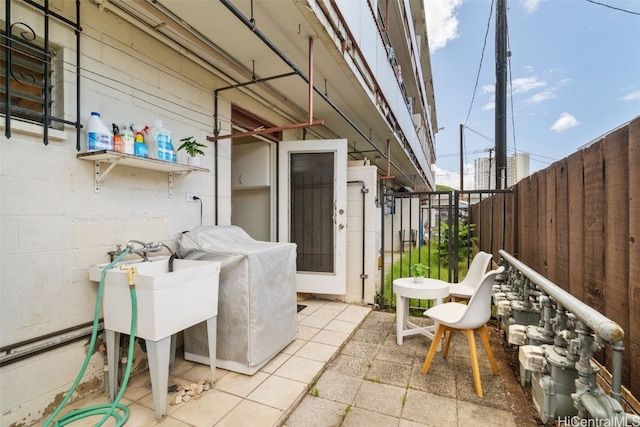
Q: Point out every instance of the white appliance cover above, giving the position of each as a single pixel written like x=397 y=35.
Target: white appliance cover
x=257 y=308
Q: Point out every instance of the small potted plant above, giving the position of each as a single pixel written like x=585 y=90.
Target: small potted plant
x=419 y=271
x=193 y=149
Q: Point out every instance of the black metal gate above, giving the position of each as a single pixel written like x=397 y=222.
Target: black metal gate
x=439 y=229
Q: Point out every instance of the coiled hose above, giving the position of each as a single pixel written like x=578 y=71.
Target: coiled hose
x=109 y=410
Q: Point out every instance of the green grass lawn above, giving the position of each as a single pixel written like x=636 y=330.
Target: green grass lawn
x=427 y=255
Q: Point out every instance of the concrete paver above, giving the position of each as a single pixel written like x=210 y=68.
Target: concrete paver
x=375 y=381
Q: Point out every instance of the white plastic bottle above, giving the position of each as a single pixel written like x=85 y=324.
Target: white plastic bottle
x=160 y=145
x=128 y=137
x=99 y=137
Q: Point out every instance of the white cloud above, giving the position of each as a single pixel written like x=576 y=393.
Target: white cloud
x=530 y=6
x=566 y=121
x=442 y=22
x=488 y=89
x=489 y=106
x=452 y=179
x=632 y=96
x=525 y=84
x=541 y=96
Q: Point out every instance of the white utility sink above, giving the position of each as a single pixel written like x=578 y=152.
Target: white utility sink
x=168 y=302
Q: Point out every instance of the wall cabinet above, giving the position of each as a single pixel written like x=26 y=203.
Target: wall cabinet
x=251 y=166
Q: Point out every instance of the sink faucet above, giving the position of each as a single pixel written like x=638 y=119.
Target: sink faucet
x=144 y=248
x=140 y=248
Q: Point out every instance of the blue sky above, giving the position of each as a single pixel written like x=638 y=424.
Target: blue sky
x=574 y=76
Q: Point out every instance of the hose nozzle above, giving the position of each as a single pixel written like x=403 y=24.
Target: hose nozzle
x=130 y=272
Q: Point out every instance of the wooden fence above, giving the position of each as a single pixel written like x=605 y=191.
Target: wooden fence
x=577 y=223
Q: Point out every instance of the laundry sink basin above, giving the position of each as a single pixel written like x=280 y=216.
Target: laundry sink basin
x=167 y=302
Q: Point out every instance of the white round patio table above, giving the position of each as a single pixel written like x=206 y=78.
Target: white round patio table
x=406 y=288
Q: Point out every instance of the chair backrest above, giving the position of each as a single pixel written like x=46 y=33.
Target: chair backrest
x=478 y=310
x=477 y=269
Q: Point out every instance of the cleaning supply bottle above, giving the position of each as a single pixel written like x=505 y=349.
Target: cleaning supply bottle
x=118 y=142
x=99 y=137
x=160 y=145
x=140 y=149
x=128 y=138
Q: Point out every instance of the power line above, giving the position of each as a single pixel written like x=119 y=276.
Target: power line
x=481 y=135
x=613 y=7
x=475 y=88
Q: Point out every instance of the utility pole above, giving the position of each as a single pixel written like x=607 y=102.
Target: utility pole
x=461 y=157
x=501 y=95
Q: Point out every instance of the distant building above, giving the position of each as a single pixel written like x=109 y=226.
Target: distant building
x=485 y=171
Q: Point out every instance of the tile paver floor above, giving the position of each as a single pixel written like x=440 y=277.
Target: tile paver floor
x=343 y=369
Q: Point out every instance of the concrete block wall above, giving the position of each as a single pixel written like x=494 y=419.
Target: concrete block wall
x=54 y=226
x=356 y=237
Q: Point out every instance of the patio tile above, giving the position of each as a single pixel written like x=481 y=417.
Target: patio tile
x=141 y=416
x=355 y=308
x=172 y=422
x=440 y=380
x=358 y=417
x=381 y=398
x=305 y=333
x=361 y=349
x=208 y=410
x=275 y=363
x=326 y=313
x=484 y=416
x=351 y=316
x=239 y=384
x=335 y=305
x=300 y=369
x=330 y=337
x=338 y=387
x=147 y=402
x=295 y=345
x=199 y=372
x=139 y=385
x=389 y=373
x=419 y=407
x=349 y=365
x=314 y=321
x=250 y=414
x=317 y=351
x=341 y=326
x=278 y=392
x=316 y=412
x=363 y=378
x=372 y=336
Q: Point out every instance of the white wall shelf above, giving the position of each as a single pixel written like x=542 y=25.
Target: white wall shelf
x=113 y=159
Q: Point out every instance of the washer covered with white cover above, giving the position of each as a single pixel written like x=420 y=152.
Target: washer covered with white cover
x=257 y=306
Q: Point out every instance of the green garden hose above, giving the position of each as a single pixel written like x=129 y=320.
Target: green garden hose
x=109 y=410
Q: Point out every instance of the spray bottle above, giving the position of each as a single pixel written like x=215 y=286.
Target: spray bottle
x=118 y=142
x=140 y=148
x=128 y=137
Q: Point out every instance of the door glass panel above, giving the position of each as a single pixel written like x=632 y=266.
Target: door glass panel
x=312 y=195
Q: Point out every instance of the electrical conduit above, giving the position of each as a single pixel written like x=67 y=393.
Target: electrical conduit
x=107 y=409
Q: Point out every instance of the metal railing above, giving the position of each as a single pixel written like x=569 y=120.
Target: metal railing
x=549 y=333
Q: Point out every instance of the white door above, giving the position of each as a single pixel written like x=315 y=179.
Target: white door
x=312 y=211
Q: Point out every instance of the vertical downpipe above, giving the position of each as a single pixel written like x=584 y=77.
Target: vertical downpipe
x=310 y=107
x=364 y=190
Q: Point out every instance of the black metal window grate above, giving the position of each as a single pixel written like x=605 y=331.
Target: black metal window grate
x=29 y=76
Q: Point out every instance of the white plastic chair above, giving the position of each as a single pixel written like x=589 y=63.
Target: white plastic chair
x=465 y=288
x=466 y=318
